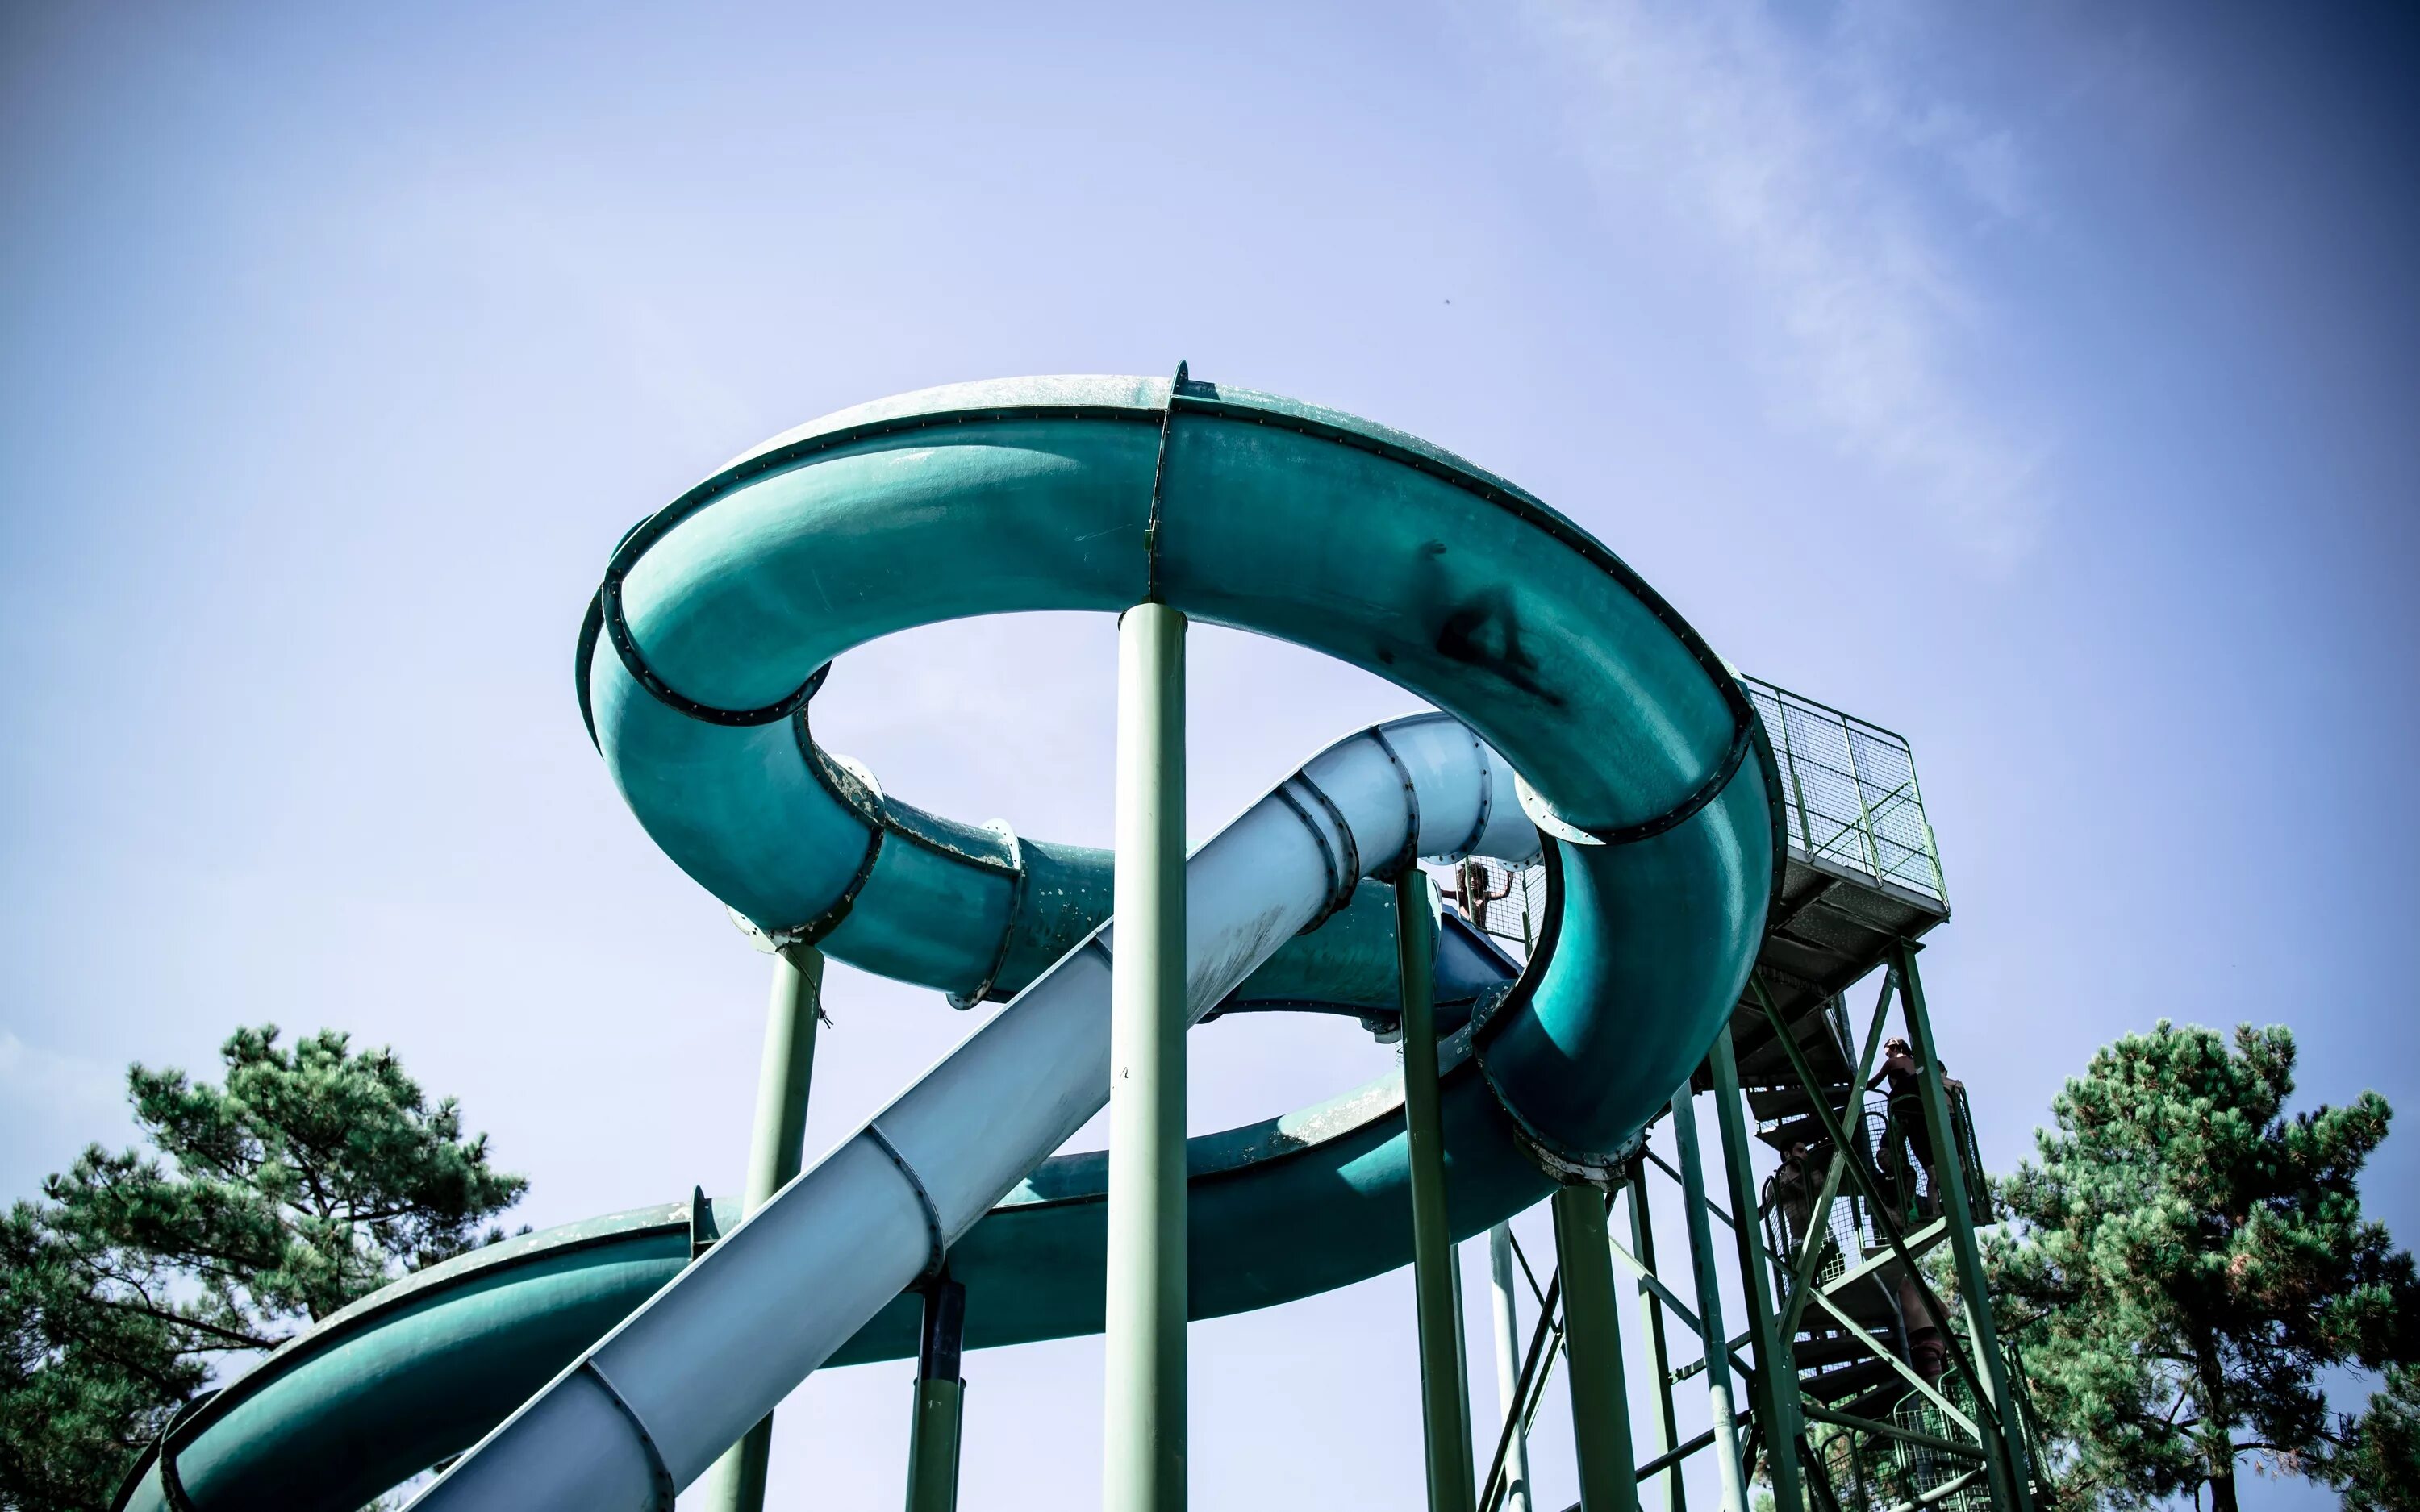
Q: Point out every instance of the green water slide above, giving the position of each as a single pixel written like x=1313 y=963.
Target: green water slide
x=1639 y=761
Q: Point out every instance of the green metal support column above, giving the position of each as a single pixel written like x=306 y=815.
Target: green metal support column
x=1446 y=1430
x=940 y=1402
x=1776 y=1372
x=1592 y=1338
x=1712 y=1333
x=1461 y=1341
x=1508 y=1368
x=2006 y=1458
x=1145 y=1304
x=1669 y=1495
x=736 y=1482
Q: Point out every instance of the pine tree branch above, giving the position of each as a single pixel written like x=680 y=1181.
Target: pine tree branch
x=240 y=1340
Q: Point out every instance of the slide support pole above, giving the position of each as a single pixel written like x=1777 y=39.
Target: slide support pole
x=940 y=1402
x=736 y=1482
x=1663 y=1421
x=1508 y=1366
x=1145 y=1305
x=1592 y=1338
x=1461 y=1344
x=1712 y=1333
x=1776 y=1372
x=2010 y=1473
x=1444 y=1430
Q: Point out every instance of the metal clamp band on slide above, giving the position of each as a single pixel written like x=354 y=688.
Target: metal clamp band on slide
x=1352 y=863
x=1159 y=487
x=592 y=624
x=941 y=1255
x=1007 y=929
x=665 y=1489
x=867 y=805
x=1742 y=736
x=1409 y=856
x=1487 y=1020
x=1318 y=837
x=1341 y=881
x=617 y=631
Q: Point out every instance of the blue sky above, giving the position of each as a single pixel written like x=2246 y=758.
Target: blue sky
x=2036 y=382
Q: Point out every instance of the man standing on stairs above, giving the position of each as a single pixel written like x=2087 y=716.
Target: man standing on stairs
x=1909 y=1134
x=1792 y=1189
x=1909 y=1145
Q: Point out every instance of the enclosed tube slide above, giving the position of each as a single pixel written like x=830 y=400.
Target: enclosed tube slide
x=719 y=615
x=660 y=1399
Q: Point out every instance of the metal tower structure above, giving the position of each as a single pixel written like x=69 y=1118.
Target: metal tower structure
x=1868 y=1373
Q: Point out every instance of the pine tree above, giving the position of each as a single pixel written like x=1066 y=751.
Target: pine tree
x=2187 y=1256
x=306 y=1180
x=2378 y=1463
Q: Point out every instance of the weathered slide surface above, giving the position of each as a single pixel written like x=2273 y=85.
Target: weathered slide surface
x=606 y=1365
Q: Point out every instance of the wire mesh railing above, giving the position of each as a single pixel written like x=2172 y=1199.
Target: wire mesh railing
x=1896 y=1151
x=1848 y=790
x=1505 y=902
x=1849 y=794
x=1921 y=1473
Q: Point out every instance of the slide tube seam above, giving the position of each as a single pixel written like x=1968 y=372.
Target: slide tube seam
x=1742 y=735
x=1343 y=873
x=592 y=624
x=657 y=1470
x=1327 y=852
x=1409 y=856
x=1158 y=492
x=844 y=789
x=1467 y=476
x=626 y=646
x=940 y=1252
x=1016 y=881
x=1565 y=1165
x=1352 y=867
x=605 y=610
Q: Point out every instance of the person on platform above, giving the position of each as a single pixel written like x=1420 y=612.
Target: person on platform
x=1910 y=1131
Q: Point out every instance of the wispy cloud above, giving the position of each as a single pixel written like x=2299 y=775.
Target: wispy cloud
x=1839 y=202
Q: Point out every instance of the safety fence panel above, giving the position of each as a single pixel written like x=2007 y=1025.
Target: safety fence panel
x=1848 y=790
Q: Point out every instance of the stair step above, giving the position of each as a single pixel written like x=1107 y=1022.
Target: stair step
x=1868 y=1301
x=1811 y=1350
x=1848 y=1380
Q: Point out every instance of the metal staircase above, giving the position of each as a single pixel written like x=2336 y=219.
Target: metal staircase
x=1895 y=1402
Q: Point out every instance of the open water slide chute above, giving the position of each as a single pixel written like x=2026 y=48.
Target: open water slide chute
x=1639 y=757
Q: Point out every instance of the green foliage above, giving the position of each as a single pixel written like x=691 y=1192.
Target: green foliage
x=2379 y=1465
x=308 y=1179
x=90 y=1368
x=2187 y=1256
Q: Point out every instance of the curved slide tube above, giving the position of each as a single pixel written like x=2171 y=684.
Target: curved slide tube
x=1238 y=508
